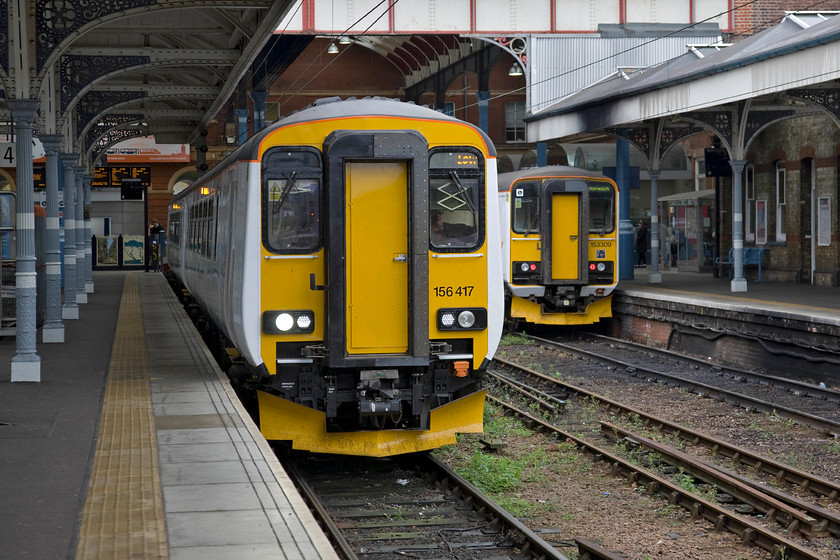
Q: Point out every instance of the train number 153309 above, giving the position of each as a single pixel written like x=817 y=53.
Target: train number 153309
x=449 y=291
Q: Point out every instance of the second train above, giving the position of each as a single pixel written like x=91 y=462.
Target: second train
x=559 y=245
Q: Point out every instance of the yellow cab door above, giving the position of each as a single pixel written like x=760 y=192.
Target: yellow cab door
x=377 y=249
x=565 y=241
x=566 y=222
x=377 y=290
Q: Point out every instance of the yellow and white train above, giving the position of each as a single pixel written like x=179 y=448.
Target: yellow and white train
x=350 y=253
x=559 y=245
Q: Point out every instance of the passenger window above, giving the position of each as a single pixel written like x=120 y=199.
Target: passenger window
x=455 y=203
x=526 y=207
x=292 y=201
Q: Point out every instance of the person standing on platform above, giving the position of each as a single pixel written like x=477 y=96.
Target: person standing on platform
x=641 y=244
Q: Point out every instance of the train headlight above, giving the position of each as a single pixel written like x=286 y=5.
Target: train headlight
x=288 y=321
x=524 y=267
x=601 y=267
x=284 y=322
x=458 y=319
x=466 y=319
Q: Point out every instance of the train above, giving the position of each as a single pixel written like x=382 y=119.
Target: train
x=559 y=245
x=348 y=258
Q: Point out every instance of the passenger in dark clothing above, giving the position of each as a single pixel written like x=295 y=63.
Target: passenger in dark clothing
x=641 y=244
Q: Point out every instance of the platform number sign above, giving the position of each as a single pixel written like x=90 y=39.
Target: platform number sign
x=7 y=152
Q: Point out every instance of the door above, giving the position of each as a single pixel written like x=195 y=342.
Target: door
x=377 y=288
x=565 y=242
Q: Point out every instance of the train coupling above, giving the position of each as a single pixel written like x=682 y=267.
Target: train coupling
x=377 y=395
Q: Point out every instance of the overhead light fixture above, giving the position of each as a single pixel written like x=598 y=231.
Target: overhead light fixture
x=345 y=40
x=333 y=48
x=515 y=70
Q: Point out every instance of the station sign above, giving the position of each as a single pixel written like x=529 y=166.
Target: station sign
x=8 y=155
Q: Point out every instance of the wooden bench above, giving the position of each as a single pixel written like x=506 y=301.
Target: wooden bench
x=752 y=256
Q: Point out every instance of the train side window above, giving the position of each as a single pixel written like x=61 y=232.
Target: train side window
x=292 y=200
x=526 y=207
x=455 y=201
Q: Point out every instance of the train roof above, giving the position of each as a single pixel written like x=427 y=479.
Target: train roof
x=335 y=107
x=507 y=179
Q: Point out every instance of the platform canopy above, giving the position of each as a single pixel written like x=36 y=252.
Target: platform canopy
x=734 y=91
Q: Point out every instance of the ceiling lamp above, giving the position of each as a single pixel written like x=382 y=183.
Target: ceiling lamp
x=345 y=40
x=333 y=49
x=515 y=70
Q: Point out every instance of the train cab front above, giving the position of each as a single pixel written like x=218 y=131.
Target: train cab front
x=563 y=250
x=385 y=365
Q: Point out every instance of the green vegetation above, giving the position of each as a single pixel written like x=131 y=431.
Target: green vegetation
x=515 y=338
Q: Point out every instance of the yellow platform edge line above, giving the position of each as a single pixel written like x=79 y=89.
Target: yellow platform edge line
x=123 y=513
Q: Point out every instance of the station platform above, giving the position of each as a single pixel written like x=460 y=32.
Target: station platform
x=785 y=329
x=816 y=303
x=133 y=445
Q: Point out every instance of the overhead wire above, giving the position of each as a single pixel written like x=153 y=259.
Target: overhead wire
x=391 y=4
x=678 y=31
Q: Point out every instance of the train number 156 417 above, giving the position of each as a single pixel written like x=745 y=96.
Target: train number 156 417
x=449 y=291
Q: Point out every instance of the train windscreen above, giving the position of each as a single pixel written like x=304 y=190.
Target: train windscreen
x=455 y=180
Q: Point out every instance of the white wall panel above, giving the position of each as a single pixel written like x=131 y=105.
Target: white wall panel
x=708 y=8
x=342 y=14
x=658 y=11
x=585 y=15
x=512 y=15
x=432 y=15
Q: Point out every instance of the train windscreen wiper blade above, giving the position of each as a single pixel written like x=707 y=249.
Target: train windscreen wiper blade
x=287 y=188
x=463 y=190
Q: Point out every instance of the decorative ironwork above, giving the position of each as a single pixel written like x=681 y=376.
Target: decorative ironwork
x=57 y=19
x=4 y=37
x=758 y=119
x=828 y=98
x=112 y=137
x=78 y=72
x=517 y=46
x=105 y=124
x=719 y=121
x=672 y=135
x=94 y=103
x=638 y=135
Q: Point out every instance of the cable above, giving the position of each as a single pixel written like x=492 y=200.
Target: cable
x=548 y=102
x=337 y=56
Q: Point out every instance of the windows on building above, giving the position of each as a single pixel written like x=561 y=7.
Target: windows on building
x=749 y=203
x=781 y=200
x=515 y=121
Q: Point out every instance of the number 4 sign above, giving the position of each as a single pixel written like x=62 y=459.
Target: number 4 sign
x=7 y=152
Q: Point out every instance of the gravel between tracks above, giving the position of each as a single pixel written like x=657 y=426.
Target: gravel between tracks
x=591 y=503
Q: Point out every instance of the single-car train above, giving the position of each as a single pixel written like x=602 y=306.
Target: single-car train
x=350 y=254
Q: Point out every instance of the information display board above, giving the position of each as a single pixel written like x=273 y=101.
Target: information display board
x=101 y=178
x=39 y=177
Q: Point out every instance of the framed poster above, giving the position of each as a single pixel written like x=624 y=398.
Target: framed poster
x=106 y=250
x=824 y=221
x=134 y=250
x=761 y=222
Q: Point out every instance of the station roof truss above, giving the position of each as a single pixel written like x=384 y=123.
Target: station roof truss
x=96 y=61
x=734 y=92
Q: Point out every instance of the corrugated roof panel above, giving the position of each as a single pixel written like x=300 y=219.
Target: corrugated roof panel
x=563 y=65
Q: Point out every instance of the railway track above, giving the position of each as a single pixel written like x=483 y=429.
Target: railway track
x=760 y=506
x=415 y=507
x=810 y=405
